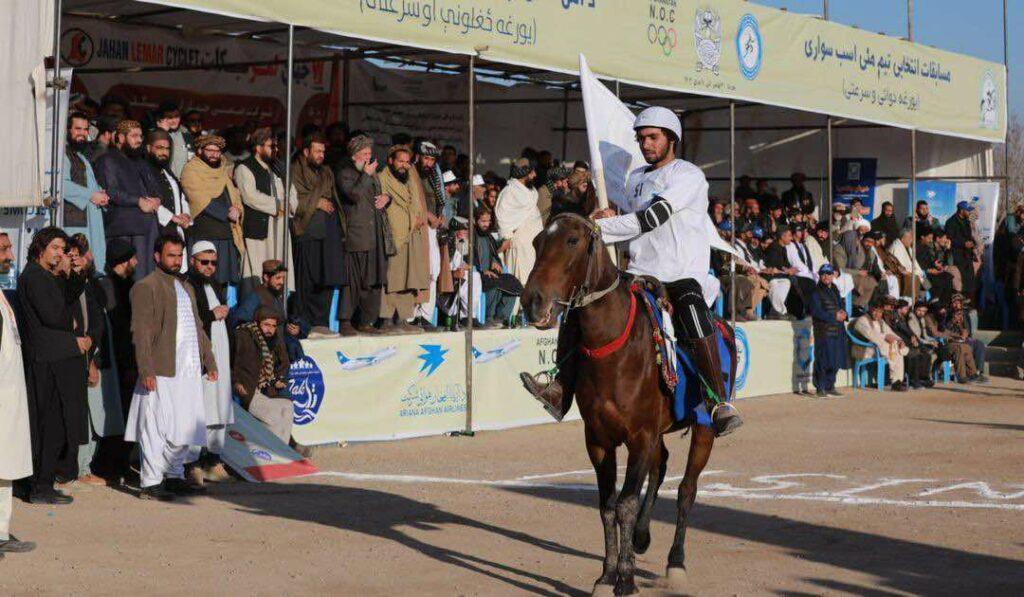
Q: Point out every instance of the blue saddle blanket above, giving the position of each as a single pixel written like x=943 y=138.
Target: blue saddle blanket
x=688 y=404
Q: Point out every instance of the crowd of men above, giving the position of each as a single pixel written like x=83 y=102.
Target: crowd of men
x=910 y=301
x=120 y=335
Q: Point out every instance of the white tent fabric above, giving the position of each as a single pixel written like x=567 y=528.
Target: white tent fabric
x=29 y=38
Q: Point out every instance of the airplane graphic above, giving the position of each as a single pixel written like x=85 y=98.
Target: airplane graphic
x=495 y=353
x=355 y=363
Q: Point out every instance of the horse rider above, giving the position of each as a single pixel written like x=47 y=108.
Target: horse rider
x=663 y=218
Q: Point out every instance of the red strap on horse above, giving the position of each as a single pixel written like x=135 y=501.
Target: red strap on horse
x=610 y=348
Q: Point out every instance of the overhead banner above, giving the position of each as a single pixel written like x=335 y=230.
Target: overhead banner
x=855 y=178
x=225 y=95
x=726 y=48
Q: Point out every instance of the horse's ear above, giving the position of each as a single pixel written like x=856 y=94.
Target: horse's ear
x=539 y=240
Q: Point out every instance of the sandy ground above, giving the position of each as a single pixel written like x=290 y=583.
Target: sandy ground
x=875 y=493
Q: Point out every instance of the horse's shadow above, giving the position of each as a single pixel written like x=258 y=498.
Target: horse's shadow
x=900 y=566
x=381 y=514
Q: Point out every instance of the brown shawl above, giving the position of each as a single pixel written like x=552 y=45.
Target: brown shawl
x=202 y=184
x=409 y=269
x=312 y=185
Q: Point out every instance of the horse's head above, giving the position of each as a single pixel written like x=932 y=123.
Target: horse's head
x=570 y=256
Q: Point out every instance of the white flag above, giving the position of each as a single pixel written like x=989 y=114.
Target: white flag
x=614 y=152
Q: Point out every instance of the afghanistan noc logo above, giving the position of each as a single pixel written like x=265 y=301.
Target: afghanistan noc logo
x=707 y=39
x=749 y=47
x=989 y=103
x=306 y=386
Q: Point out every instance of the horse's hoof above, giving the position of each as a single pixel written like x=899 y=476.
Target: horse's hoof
x=626 y=588
x=675 y=578
x=603 y=591
x=641 y=541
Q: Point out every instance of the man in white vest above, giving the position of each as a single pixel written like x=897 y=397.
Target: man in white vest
x=16 y=452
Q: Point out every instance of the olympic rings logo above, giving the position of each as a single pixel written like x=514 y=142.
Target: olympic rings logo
x=662 y=36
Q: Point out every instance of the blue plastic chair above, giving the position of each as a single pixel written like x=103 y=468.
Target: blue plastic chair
x=720 y=306
x=946 y=371
x=232 y=295
x=861 y=368
x=849 y=305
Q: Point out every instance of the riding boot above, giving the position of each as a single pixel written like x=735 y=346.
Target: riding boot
x=724 y=418
x=556 y=395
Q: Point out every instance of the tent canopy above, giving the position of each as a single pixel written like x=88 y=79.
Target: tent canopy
x=730 y=49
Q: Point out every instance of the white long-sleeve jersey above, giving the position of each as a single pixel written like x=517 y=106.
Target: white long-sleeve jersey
x=678 y=248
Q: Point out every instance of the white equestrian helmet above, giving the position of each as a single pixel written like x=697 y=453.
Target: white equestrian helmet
x=663 y=118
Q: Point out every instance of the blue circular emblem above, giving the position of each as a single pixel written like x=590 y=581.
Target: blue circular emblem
x=261 y=455
x=742 y=359
x=749 y=47
x=306 y=385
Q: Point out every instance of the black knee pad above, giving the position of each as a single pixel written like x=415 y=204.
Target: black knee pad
x=693 y=319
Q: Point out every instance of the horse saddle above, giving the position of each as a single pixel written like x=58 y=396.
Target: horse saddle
x=678 y=370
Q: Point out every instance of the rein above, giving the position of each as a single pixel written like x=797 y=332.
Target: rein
x=582 y=297
x=613 y=346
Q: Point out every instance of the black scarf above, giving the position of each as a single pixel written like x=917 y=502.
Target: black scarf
x=435 y=184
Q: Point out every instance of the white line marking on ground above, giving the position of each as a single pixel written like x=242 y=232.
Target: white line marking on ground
x=980 y=487
x=717 y=490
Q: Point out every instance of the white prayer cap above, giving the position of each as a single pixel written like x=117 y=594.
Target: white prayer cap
x=448 y=177
x=478 y=181
x=663 y=118
x=862 y=223
x=203 y=246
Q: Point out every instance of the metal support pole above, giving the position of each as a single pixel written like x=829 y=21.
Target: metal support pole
x=565 y=122
x=1006 y=140
x=472 y=231
x=345 y=78
x=824 y=9
x=910 y=20
x=828 y=190
x=732 y=208
x=286 y=151
x=912 y=200
x=57 y=84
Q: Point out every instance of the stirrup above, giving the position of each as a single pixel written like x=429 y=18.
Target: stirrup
x=727 y=405
x=732 y=423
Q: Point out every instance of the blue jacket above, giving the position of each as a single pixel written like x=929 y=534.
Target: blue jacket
x=79 y=196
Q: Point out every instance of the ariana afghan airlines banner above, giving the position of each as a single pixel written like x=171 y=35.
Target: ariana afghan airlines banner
x=725 y=48
x=391 y=387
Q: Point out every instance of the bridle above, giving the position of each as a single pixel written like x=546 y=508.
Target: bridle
x=581 y=295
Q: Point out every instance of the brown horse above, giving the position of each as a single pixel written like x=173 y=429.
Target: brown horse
x=620 y=395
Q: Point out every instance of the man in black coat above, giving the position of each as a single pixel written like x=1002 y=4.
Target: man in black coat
x=958 y=227
x=87 y=312
x=128 y=180
x=365 y=252
x=111 y=461
x=54 y=352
